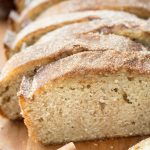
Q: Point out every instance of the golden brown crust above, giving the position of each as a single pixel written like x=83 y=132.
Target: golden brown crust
x=50 y=23
x=107 y=21
x=97 y=26
x=31 y=12
x=62 y=46
x=95 y=62
x=139 y=7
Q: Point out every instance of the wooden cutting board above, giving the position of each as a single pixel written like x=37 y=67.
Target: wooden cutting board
x=13 y=135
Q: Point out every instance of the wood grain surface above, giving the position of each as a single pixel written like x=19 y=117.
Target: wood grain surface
x=13 y=135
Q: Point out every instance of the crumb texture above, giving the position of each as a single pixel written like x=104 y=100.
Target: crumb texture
x=90 y=107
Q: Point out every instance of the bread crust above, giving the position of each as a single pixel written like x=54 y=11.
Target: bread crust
x=139 y=7
x=122 y=23
x=95 y=26
x=99 y=62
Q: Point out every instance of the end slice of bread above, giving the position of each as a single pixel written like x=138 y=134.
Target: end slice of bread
x=86 y=96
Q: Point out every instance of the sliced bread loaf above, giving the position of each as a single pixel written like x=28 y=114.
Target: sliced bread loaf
x=89 y=95
x=27 y=61
x=120 y=23
x=140 y=8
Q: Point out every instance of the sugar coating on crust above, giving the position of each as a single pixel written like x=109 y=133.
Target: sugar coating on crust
x=103 y=21
x=53 y=22
x=140 y=31
x=59 y=47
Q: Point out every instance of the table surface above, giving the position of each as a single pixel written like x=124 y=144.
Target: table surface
x=13 y=135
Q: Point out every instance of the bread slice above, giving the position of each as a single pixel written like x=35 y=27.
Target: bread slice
x=143 y=145
x=89 y=95
x=29 y=60
x=32 y=10
x=116 y=22
x=140 y=8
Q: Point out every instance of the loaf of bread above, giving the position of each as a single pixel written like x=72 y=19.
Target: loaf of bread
x=143 y=145
x=139 y=7
x=80 y=69
x=89 y=95
x=63 y=45
x=120 y=23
